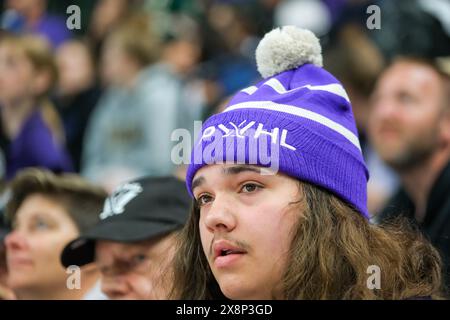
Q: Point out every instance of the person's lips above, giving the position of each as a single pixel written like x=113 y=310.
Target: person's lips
x=388 y=130
x=17 y=261
x=226 y=254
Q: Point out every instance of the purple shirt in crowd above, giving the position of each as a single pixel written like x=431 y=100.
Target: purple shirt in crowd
x=54 y=28
x=35 y=146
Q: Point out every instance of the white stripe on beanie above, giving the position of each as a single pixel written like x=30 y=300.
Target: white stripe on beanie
x=300 y=112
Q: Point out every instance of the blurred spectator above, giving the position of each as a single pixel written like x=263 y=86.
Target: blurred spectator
x=46 y=212
x=414 y=27
x=31 y=133
x=167 y=14
x=356 y=62
x=182 y=45
x=133 y=243
x=5 y=292
x=77 y=93
x=181 y=53
x=410 y=128
x=231 y=41
x=106 y=16
x=129 y=133
x=30 y=16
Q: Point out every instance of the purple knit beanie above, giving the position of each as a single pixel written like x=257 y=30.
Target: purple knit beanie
x=297 y=121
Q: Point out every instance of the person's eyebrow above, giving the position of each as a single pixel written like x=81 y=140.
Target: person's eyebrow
x=197 y=182
x=239 y=169
x=228 y=171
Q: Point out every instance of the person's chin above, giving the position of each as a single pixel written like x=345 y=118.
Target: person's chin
x=233 y=287
x=20 y=281
x=114 y=297
x=130 y=296
x=390 y=153
x=239 y=292
x=232 y=293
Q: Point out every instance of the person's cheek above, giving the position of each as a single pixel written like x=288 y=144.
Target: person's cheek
x=50 y=249
x=11 y=87
x=205 y=237
x=39 y=251
x=142 y=287
x=45 y=251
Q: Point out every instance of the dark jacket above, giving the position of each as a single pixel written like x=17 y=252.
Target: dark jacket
x=75 y=113
x=436 y=225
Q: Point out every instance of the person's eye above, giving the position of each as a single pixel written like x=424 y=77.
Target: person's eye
x=250 y=187
x=139 y=258
x=203 y=199
x=41 y=224
x=106 y=270
x=406 y=98
x=11 y=62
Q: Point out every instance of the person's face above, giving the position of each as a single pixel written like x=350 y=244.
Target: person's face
x=16 y=74
x=41 y=229
x=182 y=54
x=407 y=114
x=107 y=14
x=117 y=66
x=246 y=220
x=135 y=270
x=74 y=68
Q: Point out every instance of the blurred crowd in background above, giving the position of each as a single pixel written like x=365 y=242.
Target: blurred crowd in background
x=112 y=92
x=102 y=101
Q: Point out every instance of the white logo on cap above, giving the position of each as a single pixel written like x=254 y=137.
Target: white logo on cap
x=115 y=204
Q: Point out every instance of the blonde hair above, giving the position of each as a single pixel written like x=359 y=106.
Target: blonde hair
x=38 y=52
x=137 y=39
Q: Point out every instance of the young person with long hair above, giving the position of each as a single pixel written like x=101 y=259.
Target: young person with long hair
x=280 y=190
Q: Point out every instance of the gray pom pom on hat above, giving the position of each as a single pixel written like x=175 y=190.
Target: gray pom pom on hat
x=287 y=48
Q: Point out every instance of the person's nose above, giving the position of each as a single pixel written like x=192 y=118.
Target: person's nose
x=15 y=240
x=115 y=287
x=221 y=216
x=384 y=109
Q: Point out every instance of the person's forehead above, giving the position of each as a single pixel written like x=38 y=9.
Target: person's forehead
x=229 y=169
x=410 y=75
x=123 y=248
x=72 y=46
x=40 y=204
x=10 y=49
